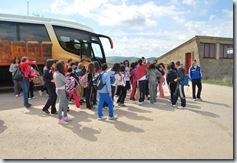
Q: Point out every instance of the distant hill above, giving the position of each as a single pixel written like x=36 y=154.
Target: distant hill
x=121 y=59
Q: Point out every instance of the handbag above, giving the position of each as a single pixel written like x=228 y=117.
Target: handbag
x=38 y=80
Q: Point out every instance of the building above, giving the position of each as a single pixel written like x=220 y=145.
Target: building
x=213 y=54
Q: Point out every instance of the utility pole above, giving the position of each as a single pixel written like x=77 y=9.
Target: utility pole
x=27 y=8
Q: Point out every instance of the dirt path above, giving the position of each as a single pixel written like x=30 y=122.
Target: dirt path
x=204 y=130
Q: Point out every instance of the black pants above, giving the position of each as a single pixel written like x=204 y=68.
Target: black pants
x=122 y=95
x=89 y=104
x=142 y=89
x=44 y=89
x=31 y=90
x=179 y=92
x=172 y=90
x=94 y=96
x=52 y=98
x=198 y=83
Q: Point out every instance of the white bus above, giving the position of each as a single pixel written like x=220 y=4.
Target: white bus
x=43 y=38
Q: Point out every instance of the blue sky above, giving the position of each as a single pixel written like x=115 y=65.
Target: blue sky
x=138 y=27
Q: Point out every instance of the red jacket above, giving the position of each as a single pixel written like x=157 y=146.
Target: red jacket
x=24 y=68
x=141 y=70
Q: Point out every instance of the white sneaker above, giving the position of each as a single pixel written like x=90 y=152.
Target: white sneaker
x=139 y=103
x=40 y=93
x=174 y=106
x=62 y=122
x=17 y=95
x=180 y=107
x=29 y=98
x=194 y=99
x=113 y=118
x=102 y=118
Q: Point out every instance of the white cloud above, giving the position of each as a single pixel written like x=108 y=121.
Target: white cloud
x=190 y=2
x=120 y=15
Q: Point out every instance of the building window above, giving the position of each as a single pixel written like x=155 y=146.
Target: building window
x=226 y=51
x=208 y=50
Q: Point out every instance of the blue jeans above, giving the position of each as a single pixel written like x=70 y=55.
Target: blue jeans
x=104 y=97
x=25 y=86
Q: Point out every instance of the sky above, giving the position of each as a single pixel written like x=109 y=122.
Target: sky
x=148 y=28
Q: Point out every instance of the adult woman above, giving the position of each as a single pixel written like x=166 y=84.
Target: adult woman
x=89 y=89
x=49 y=82
x=13 y=67
x=25 y=65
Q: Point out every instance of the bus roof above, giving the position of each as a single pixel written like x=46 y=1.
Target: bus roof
x=41 y=20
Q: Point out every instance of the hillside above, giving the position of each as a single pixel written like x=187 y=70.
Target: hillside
x=121 y=59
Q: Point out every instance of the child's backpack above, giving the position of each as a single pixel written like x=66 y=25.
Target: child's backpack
x=83 y=80
x=185 y=80
x=97 y=82
x=70 y=86
x=112 y=79
x=18 y=75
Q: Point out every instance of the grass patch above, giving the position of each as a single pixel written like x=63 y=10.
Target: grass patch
x=218 y=82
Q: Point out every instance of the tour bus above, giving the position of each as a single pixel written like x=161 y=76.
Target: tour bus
x=43 y=38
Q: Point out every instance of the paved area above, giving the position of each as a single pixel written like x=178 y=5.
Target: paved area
x=204 y=130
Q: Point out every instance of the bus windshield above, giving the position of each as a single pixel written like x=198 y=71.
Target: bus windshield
x=84 y=44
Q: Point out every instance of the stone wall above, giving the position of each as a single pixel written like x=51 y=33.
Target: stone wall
x=218 y=68
x=221 y=69
x=178 y=54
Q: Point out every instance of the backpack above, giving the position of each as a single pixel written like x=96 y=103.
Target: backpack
x=70 y=86
x=97 y=82
x=18 y=75
x=83 y=80
x=112 y=79
x=185 y=80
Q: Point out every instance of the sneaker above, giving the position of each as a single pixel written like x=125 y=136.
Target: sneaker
x=174 y=106
x=200 y=99
x=62 y=122
x=194 y=99
x=46 y=111
x=20 y=94
x=40 y=93
x=122 y=105
x=113 y=118
x=17 y=95
x=33 y=97
x=180 y=107
x=66 y=119
x=102 y=118
x=27 y=106
x=139 y=103
x=29 y=98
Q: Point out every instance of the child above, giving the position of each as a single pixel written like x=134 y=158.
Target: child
x=152 y=75
x=31 y=86
x=120 y=82
x=60 y=82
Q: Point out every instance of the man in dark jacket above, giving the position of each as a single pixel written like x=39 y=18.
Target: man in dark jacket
x=179 y=92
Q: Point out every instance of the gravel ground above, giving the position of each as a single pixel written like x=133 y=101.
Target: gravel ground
x=203 y=130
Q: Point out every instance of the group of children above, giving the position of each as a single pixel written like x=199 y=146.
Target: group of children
x=144 y=79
